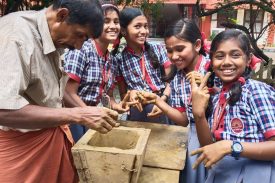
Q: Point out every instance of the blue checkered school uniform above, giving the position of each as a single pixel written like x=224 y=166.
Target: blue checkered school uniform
x=181 y=88
x=130 y=67
x=88 y=67
x=251 y=119
x=180 y=99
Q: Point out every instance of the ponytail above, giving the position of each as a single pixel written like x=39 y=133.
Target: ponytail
x=152 y=55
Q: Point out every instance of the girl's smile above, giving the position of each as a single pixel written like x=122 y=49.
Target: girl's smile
x=229 y=61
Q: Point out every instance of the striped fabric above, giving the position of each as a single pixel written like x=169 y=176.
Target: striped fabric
x=130 y=67
x=88 y=67
x=252 y=118
x=31 y=68
x=181 y=88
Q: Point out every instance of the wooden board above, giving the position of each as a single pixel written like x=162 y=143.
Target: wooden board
x=166 y=146
x=158 y=175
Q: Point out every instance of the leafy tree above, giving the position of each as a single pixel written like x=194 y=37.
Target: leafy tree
x=149 y=8
x=8 y=6
x=254 y=6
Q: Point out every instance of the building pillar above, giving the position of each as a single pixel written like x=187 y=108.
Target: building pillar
x=240 y=16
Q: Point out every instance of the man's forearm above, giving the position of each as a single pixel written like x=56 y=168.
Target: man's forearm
x=73 y=100
x=32 y=117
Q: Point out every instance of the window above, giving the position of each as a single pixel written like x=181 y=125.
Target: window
x=257 y=17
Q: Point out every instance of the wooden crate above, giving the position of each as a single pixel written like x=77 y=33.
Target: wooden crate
x=115 y=157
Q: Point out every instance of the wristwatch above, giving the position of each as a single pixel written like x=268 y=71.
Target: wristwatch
x=237 y=149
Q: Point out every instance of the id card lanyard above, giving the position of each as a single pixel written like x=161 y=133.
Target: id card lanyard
x=143 y=70
x=105 y=99
x=219 y=115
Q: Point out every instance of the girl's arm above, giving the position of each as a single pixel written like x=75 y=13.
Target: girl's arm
x=200 y=98
x=178 y=117
x=212 y=153
x=71 y=98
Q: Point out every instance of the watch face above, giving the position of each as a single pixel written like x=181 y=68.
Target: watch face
x=237 y=147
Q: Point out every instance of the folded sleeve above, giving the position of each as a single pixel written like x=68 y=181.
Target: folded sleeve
x=163 y=57
x=75 y=61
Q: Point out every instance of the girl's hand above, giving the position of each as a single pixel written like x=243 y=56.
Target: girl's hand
x=200 y=95
x=147 y=97
x=124 y=105
x=135 y=98
x=198 y=76
x=211 y=154
x=156 y=112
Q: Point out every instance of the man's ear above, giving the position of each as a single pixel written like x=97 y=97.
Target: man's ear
x=62 y=14
x=197 y=45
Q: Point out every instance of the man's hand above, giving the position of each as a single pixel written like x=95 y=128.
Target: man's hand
x=100 y=119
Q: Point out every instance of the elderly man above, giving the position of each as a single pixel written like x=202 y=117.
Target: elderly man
x=34 y=141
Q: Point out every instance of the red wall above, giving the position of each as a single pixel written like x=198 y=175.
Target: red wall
x=206 y=26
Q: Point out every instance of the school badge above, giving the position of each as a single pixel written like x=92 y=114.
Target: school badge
x=236 y=125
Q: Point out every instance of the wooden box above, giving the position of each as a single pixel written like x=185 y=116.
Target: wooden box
x=115 y=157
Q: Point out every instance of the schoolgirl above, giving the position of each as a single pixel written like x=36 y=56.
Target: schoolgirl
x=186 y=50
x=92 y=70
x=142 y=64
x=238 y=144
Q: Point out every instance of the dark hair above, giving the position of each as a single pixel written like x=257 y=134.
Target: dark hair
x=187 y=30
x=83 y=12
x=108 y=7
x=244 y=44
x=127 y=15
x=125 y=18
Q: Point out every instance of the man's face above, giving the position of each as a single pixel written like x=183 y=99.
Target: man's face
x=70 y=36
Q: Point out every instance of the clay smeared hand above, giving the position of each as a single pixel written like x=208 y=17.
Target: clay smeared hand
x=195 y=74
x=100 y=119
x=200 y=95
x=156 y=112
x=148 y=97
x=135 y=98
x=124 y=105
